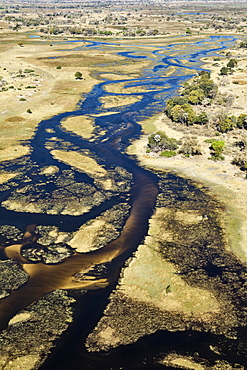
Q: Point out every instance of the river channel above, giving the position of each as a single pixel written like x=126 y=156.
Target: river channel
x=67 y=198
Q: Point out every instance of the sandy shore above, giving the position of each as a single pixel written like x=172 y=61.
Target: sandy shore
x=221 y=178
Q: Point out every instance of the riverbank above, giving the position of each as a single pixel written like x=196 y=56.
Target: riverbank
x=220 y=177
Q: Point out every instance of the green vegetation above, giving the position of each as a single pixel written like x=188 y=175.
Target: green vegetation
x=179 y=110
x=167 y=147
x=217 y=148
x=224 y=71
x=225 y=123
x=28 y=70
x=202 y=91
x=243 y=44
x=232 y=63
x=242 y=121
x=159 y=141
x=78 y=75
x=168 y=153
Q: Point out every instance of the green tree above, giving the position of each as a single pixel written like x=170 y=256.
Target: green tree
x=202 y=118
x=209 y=88
x=159 y=141
x=232 y=63
x=196 y=96
x=224 y=71
x=78 y=75
x=183 y=114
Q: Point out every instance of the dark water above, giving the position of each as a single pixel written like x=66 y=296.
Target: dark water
x=119 y=127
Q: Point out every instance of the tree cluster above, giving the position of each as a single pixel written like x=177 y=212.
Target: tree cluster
x=160 y=143
x=224 y=71
x=202 y=91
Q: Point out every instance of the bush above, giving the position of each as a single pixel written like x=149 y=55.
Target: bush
x=241 y=160
x=190 y=147
x=29 y=110
x=202 y=119
x=217 y=148
x=160 y=141
x=168 y=153
x=242 y=121
x=28 y=70
x=225 y=124
x=183 y=114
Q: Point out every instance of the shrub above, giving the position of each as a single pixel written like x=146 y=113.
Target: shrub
x=241 y=160
x=190 y=147
x=28 y=70
x=242 y=121
x=217 y=148
x=202 y=118
x=225 y=124
x=183 y=114
x=160 y=141
x=168 y=153
x=29 y=110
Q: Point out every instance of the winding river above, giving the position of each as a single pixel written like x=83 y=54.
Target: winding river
x=170 y=66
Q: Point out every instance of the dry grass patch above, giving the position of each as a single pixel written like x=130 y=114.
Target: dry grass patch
x=181 y=362
x=80 y=125
x=123 y=88
x=5 y=176
x=13 y=152
x=118 y=101
x=81 y=162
